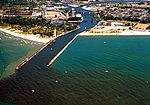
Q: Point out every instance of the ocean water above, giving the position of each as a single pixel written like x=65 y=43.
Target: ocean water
x=100 y=70
x=94 y=70
x=3 y=103
x=13 y=51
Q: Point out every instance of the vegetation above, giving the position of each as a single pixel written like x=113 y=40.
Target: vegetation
x=75 y=19
x=148 y=9
x=42 y=3
x=56 y=0
x=101 y=16
x=97 y=16
x=13 y=2
x=35 y=26
x=17 y=3
x=123 y=7
x=140 y=3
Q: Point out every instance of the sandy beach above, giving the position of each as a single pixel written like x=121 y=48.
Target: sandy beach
x=122 y=33
x=28 y=37
x=125 y=33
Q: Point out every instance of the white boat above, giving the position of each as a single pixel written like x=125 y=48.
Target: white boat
x=89 y=8
x=73 y=5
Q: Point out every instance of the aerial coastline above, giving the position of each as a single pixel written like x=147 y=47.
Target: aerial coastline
x=31 y=37
x=34 y=38
x=41 y=27
x=44 y=30
x=120 y=19
x=53 y=73
x=37 y=26
x=112 y=31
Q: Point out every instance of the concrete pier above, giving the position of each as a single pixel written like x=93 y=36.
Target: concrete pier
x=29 y=58
x=51 y=51
x=61 y=51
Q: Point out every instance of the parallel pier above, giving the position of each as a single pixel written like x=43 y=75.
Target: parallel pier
x=48 y=43
x=48 y=54
x=29 y=58
x=61 y=51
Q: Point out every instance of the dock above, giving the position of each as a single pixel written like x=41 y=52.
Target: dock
x=61 y=51
x=47 y=44
x=52 y=50
x=29 y=58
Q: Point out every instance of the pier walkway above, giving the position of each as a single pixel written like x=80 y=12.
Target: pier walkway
x=34 y=83
x=48 y=53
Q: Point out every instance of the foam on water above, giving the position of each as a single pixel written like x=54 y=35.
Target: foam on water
x=13 y=49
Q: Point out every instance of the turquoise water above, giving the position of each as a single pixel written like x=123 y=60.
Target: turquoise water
x=94 y=70
x=13 y=51
x=2 y=103
x=104 y=71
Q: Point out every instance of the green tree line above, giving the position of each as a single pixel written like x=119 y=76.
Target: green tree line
x=35 y=26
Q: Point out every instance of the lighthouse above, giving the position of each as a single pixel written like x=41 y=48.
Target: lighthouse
x=73 y=12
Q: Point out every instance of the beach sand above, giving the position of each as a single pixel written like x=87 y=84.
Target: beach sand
x=32 y=53
x=10 y=69
x=28 y=37
x=123 y=33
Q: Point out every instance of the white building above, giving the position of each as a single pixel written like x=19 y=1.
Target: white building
x=114 y=24
x=36 y=13
x=55 y=15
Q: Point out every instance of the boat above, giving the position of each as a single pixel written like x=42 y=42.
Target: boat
x=73 y=5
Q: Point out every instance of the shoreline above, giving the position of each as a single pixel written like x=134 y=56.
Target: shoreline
x=68 y=32
x=30 y=37
x=40 y=49
x=61 y=41
x=123 y=33
x=25 y=47
x=18 y=66
x=35 y=38
x=64 y=47
x=46 y=41
x=11 y=68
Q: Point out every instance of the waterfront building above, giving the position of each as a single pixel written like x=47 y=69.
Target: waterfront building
x=54 y=15
x=36 y=13
x=142 y=26
x=114 y=24
x=25 y=14
x=1 y=12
